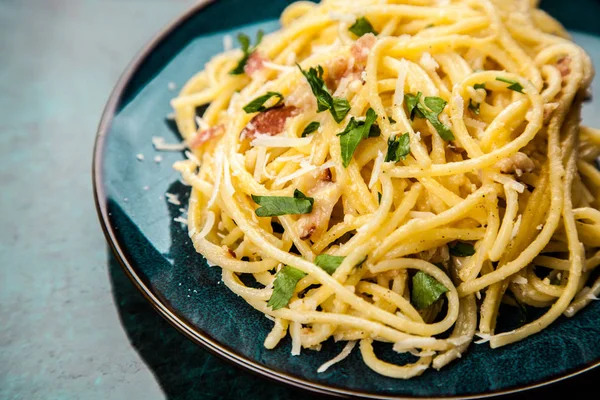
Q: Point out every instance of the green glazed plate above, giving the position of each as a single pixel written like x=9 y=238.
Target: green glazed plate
x=156 y=252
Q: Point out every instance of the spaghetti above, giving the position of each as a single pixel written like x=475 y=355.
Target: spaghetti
x=395 y=170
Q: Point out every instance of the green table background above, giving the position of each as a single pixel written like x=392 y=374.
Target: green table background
x=72 y=326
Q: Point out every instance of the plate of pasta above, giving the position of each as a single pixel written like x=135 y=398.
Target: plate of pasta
x=373 y=198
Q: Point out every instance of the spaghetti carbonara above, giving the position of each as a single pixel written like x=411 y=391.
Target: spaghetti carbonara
x=393 y=171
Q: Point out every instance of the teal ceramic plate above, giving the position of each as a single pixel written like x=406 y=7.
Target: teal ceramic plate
x=156 y=253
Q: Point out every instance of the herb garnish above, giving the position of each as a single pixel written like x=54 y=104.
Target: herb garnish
x=514 y=85
x=426 y=290
x=284 y=286
x=310 y=128
x=431 y=108
x=328 y=263
x=356 y=132
x=258 y=104
x=398 y=148
x=338 y=107
x=474 y=107
x=272 y=206
x=245 y=43
x=462 y=249
x=362 y=26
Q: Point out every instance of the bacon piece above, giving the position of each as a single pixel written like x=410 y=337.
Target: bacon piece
x=361 y=48
x=206 y=135
x=270 y=122
x=254 y=64
x=564 y=66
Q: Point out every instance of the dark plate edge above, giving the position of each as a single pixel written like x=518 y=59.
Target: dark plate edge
x=182 y=326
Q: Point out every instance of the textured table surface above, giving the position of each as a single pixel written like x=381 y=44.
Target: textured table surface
x=71 y=324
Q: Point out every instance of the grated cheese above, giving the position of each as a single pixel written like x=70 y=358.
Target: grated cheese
x=343 y=354
x=508 y=182
x=192 y=157
x=173 y=198
x=140 y=157
x=161 y=145
x=304 y=169
x=202 y=124
x=295 y=333
x=227 y=42
x=376 y=169
x=428 y=62
x=158 y=159
x=399 y=95
x=181 y=219
x=147 y=188
x=172 y=86
x=540 y=227
x=520 y=280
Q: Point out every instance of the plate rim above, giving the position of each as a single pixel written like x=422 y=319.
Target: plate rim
x=202 y=338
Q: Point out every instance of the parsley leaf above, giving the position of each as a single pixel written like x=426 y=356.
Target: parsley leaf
x=310 y=128
x=431 y=111
x=328 y=263
x=514 y=85
x=257 y=105
x=362 y=26
x=245 y=44
x=284 y=286
x=355 y=132
x=411 y=104
x=426 y=290
x=272 y=206
x=479 y=86
x=338 y=107
x=398 y=148
x=474 y=107
x=462 y=249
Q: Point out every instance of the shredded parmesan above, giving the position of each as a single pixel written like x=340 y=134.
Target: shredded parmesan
x=173 y=198
x=376 y=169
x=343 y=354
x=158 y=159
x=304 y=169
x=146 y=187
x=428 y=62
x=540 y=227
x=295 y=333
x=227 y=42
x=160 y=144
x=520 y=280
x=140 y=157
x=508 y=181
x=172 y=86
x=399 y=95
x=181 y=219
x=192 y=157
x=202 y=124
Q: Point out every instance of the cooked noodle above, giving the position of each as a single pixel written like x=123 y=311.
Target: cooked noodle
x=516 y=188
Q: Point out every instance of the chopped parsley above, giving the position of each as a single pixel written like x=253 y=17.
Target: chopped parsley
x=284 y=286
x=311 y=128
x=398 y=148
x=338 y=107
x=479 y=86
x=431 y=108
x=258 y=104
x=247 y=49
x=513 y=85
x=462 y=249
x=474 y=107
x=328 y=263
x=362 y=26
x=426 y=290
x=356 y=132
x=272 y=206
